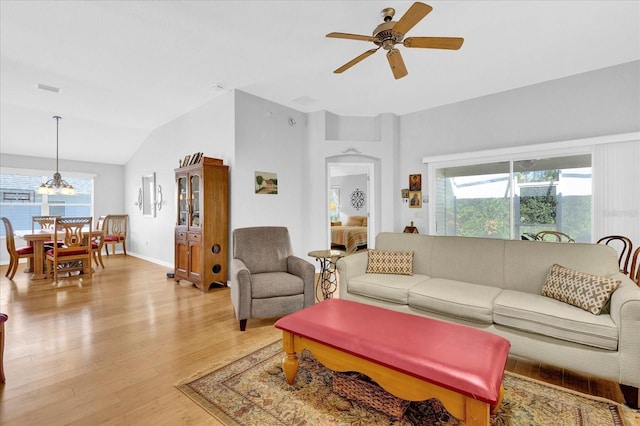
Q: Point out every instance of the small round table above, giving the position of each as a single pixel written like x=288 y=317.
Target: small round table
x=327 y=280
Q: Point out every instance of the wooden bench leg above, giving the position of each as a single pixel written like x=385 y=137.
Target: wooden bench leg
x=476 y=413
x=290 y=361
x=495 y=408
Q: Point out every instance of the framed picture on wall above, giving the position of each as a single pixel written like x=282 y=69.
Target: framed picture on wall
x=266 y=183
x=415 y=182
x=415 y=199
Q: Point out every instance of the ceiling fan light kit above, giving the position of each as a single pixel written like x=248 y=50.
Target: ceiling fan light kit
x=390 y=33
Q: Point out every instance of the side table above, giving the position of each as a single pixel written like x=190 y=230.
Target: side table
x=327 y=280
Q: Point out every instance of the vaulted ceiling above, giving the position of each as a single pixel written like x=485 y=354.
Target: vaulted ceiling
x=127 y=67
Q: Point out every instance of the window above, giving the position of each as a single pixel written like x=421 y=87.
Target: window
x=515 y=198
x=19 y=200
x=334 y=204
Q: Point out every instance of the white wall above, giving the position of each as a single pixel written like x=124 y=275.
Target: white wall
x=601 y=102
x=252 y=134
x=267 y=141
x=208 y=129
x=382 y=152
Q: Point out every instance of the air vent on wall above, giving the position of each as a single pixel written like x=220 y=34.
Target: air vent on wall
x=48 y=88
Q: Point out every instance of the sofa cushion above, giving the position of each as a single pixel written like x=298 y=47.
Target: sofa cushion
x=420 y=245
x=542 y=315
x=527 y=263
x=586 y=291
x=390 y=262
x=468 y=259
x=390 y=288
x=455 y=299
x=275 y=284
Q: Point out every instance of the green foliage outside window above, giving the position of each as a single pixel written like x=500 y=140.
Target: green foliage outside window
x=483 y=217
x=538 y=205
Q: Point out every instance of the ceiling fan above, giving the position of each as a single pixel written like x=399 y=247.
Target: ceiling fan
x=389 y=33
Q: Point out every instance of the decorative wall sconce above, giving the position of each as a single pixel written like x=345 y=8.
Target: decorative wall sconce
x=149 y=196
x=139 y=202
x=159 y=198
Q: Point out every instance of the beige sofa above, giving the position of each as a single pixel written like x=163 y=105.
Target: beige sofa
x=495 y=285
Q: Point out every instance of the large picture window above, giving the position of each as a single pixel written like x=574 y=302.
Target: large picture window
x=19 y=200
x=515 y=198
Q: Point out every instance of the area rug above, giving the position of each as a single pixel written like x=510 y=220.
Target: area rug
x=252 y=391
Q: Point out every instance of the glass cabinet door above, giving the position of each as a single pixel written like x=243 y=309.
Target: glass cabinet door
x=183 y=201
x=195 y=200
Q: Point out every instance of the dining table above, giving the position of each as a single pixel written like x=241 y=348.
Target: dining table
x=36 y=239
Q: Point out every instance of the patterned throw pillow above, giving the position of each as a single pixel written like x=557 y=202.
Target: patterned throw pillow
x=390 y=262
x=586 y=291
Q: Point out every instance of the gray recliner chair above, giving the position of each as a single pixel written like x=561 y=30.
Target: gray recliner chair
x=267 y=280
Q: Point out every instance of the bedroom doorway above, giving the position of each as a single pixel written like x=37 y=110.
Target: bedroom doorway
x=350 y=205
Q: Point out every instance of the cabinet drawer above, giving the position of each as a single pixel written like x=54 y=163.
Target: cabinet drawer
x=181 y=236
x=194 y=237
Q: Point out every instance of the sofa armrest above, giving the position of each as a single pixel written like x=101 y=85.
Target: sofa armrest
x=240 y=289
x=625 y=312
x=349 y=267
x=305 y=270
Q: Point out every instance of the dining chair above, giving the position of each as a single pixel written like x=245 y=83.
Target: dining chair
x=528 y=236
x=3 y=319
x=15 y=254
x=634 y=272
x=43 y=222
x=626 y=248
x=76 y=252
x=97 y=242
x=556 y=236
x=115 y=232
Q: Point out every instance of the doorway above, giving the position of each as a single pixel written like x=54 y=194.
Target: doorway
x=351 y=196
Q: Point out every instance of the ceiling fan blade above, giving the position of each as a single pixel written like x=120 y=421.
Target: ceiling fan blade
x=452 y=43
x=397 y=64
x=416 y=12
x=355 y=60
x=351 y=36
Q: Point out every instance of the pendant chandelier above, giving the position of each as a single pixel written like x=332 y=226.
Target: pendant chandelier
x=57 y=183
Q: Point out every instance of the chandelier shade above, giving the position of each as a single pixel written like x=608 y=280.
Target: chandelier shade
x=56 y=183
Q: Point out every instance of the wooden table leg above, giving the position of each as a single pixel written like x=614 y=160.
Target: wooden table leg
x=290 y=361
x=38 y=260
x=29 y=268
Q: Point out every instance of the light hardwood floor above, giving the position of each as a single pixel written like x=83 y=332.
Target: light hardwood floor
x=109 y=350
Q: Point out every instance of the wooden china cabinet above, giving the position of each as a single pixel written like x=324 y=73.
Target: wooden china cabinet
x=202 y=225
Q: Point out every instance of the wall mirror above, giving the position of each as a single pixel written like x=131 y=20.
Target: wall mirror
x=149 y=195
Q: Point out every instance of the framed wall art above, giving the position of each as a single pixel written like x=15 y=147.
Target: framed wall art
x=415 y=182
x=266 y=183
x=415 y=199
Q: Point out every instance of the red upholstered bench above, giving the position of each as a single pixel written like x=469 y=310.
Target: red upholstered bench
x=410 y=356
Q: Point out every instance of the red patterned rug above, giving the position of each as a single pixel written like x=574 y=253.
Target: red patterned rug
x=252 y=391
